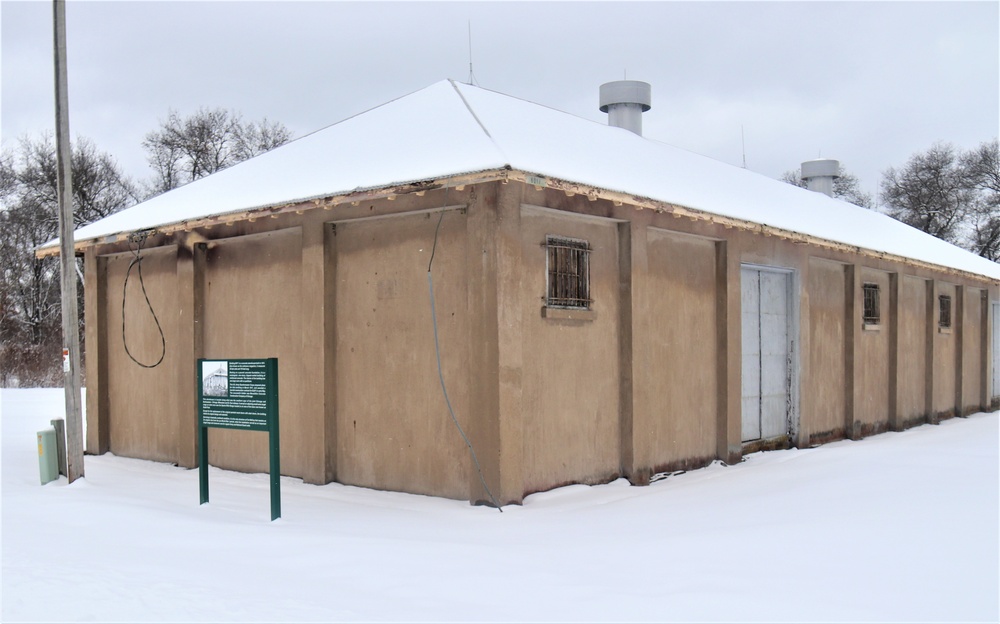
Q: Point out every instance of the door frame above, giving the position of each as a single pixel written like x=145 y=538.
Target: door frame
x=794 y=338
x=994 y=351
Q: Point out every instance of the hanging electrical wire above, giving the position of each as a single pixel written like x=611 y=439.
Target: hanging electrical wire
x=138 y=238
x=437 y=353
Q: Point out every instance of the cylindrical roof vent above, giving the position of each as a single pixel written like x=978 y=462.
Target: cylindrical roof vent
x=820 y=174
x=625 y=101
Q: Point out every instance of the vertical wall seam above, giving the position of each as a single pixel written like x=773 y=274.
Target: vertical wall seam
x=330 y=424
x=895 y=283
x=626 y=355
x=958 y=320
x=851 y=330
x=96 y=362
x=930 y=327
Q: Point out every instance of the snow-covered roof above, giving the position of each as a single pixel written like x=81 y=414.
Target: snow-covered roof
x=450 y=129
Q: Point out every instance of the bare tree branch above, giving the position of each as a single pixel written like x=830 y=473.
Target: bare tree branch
x=184 y=149
x=30 y=325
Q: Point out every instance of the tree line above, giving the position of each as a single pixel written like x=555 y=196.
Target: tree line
x=179 y=150
x=949 y=193
x=944 y=191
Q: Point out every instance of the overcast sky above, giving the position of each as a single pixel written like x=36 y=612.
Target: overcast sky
x=864 y=82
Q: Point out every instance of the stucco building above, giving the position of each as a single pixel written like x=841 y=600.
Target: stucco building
x=606 y=305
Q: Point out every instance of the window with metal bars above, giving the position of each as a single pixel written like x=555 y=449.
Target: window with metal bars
x=872 y=309
x=944 y=305
x=568 y=268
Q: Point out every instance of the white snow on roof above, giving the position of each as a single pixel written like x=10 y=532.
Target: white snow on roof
x=418 y=137
x=451 y=128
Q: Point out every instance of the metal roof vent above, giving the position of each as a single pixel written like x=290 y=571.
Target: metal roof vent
x=820 y=174
x=625 y=101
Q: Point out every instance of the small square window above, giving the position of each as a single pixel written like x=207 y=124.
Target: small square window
x=568 y=267
x=944 y=306
x=872 y=309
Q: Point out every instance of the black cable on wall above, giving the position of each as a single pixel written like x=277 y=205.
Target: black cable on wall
x=437 y=352
x=137 y=239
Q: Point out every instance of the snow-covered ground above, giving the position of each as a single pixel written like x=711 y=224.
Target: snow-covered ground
x=897 y=527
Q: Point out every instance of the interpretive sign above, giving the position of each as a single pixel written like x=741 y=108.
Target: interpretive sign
x=239 y=394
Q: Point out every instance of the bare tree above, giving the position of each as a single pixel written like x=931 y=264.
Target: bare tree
x=30 y=326
x=184 y=149
x=255 y=138
x=982 y=168
x=932 y=192
x=846 y=187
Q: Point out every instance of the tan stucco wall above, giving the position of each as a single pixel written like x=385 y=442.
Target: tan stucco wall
x=912 y=367
x=570 y=379
x=680 y=371
x=143 y=408
x=252 y=295
x=972 y=351
x=652 y=382
x=872 y=407
x=394 y=431
x=823 y=394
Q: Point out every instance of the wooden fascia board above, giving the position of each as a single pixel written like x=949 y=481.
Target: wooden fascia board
x=324 y=203
x=618 y=198
x=539 y=182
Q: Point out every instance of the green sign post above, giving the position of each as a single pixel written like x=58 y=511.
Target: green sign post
x=239 y=394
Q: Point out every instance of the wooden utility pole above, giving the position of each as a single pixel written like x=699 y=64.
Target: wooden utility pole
x=67 y=255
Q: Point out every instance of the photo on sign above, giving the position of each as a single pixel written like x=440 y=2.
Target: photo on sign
x=215 y=379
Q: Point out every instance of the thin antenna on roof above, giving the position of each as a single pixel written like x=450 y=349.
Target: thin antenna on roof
x=744 y=142
x=472 y=77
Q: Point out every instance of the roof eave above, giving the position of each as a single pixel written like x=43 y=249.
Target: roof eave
x=619 y=198
x=539 y=181
x=324 y=202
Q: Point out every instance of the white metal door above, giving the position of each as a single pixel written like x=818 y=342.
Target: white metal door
x=766 y=353
x=996 y=349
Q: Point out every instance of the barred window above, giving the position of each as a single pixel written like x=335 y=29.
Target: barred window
x=944 y=305
x=872 y=305
x=568 y=267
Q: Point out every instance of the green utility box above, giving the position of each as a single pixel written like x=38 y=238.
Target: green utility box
x=48 y=460
x=60 y=426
